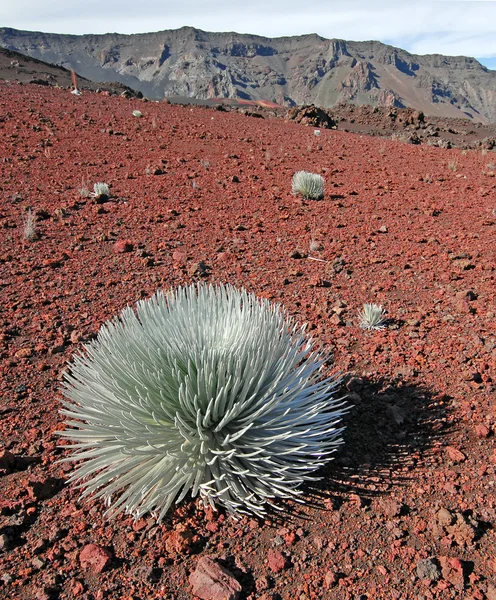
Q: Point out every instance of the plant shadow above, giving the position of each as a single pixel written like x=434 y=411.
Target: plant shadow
x=389 y=429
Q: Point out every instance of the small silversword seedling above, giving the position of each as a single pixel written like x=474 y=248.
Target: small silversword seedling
x=206 y=390
x=308 y=185
x=137 y=113
x=100 y=190
x=372 y=317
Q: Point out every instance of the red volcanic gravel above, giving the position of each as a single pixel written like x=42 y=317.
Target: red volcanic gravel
x=407 y=509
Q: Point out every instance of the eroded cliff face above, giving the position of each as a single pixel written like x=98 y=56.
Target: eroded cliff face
x=290 y=70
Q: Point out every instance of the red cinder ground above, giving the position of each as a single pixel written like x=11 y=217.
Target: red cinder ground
x=407 y=509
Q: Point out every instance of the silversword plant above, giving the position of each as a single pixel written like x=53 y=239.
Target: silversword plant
x=308 y=185
x=137 y=113
x=372 y=317
x=100 y=190
x=203 y=389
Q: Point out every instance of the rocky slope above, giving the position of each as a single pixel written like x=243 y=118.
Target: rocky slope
x=15 y=66
x=407 y=509
x=291 y=70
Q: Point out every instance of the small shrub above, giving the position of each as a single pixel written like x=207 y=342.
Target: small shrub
x=308 y=185
x=30 y=232
x=204 y=389
x=372 y=317
x=316 y=132
x=84 y=191
x=452 y=166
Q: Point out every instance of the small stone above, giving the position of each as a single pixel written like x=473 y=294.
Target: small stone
x=392 y=508
x=147 y=573
x=4 y=541
x=24 y=353
x=179 y=541
x=179 y=257
x=466 y=265
x=77 y=588
x=330 y=579
x=123 y=246
x=95 y=558
x=482 y=431
x=316 y=281
x=336 y=320
x=38 y=563
x=445 y=517
x=262 y=584
x=75 y=337
x=383 y=229
x=455 y=455
x=316 y=246
x=200 y=269
x=428 y=568
x=491 y=592
x=453 y=571
x=211 y=581
x=276 y=560
x=466 y=295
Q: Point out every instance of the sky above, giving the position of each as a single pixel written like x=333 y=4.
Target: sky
x=451 y=27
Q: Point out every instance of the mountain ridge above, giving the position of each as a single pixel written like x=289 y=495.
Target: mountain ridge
x=289 y=70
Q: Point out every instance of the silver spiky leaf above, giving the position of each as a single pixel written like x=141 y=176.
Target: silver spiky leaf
x=100 y=189
x=372 y=317
x=308 y=185
x=204 y=389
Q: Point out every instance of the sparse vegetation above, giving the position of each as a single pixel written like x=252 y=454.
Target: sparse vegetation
x=30 y=232
x=207 y=390
x=452 y=165
x=372 y=317
x=84 y=190
x=308 y=185
x=101 y=191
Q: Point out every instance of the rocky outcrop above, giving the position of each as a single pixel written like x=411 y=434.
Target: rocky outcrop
x=300 y=70
x=312 y=116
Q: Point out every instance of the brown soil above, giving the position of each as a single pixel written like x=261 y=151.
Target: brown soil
x=407 y=508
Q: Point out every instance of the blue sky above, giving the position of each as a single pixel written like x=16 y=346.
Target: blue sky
x=448 y=27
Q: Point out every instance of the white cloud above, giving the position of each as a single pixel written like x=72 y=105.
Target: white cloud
x=445 y=27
